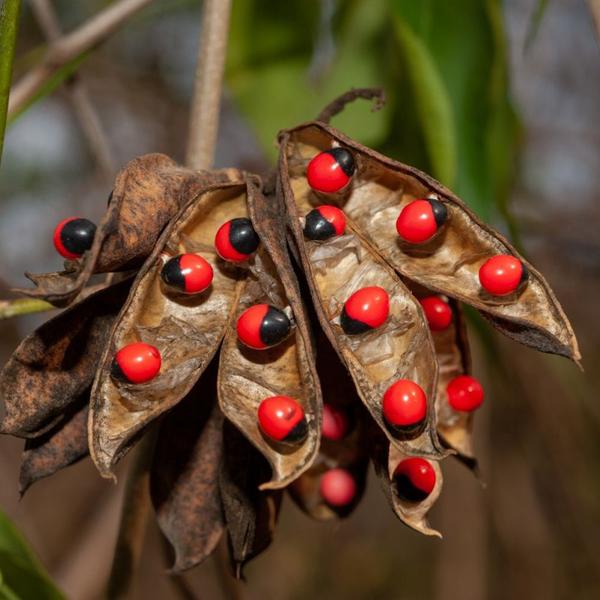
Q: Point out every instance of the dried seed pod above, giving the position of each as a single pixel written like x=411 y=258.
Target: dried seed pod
x=400 y=348
x=184 y=480
x=58 y=448
x=450 y=260
x=250 y=512
x=54 y=365
x=185 y=329
x=148 y=192
x=410 y=505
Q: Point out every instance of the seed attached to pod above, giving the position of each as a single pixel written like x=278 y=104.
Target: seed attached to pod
x=188 y=273
x=420 y=220
x=236 y=240
x=330 y=171
x=74 y=236
x=282 y=419
x=437 y=312
x=335 y=423
x=136 y=363
x=415 y=479
x=366 y=309
x=404 y=406
x=337 y=487
x=465 y=393
x=263 y=326
x=501 y=275
x=324 y=222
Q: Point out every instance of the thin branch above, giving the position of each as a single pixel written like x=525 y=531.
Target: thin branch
x=595 y=10
x=204 y=117
x=70 y=47
x=78 y=95
x=23 y=306
x=9 y=25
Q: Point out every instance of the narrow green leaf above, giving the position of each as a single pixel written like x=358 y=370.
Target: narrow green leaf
x=9 y=24
x=534 y=23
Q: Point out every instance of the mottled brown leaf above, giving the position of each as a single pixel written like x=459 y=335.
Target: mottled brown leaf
x=250 y=513
x=58 y=448
x=400 y=349
x=147 y=193
x=450 y=262
x=54 y=365
x=187 y=330
x=184 y=480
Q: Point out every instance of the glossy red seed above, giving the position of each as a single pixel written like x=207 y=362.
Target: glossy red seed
x=335 y=423
x=138 y=362
x=369 y=305
x=416 y=223
x=280 y=417
x=197 y=273
x=225 y=248
x=337 y=487
x=325 y=174
x=60 y=248
x=419 y=472
x=437 y=312
x=404 y=404
x=465 y=393
x=501 y=274
x=249 y=325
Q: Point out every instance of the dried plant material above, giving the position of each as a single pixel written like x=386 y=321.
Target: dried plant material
x=58 y=448
x=186 y=330
x=414 y=514
x=399 y=349
x=250 y=513
x=148 y=192
x=450 y=262
x=184 y=480
x=54 y=365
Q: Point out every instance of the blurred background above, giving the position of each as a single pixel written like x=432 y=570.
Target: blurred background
x=500 y=101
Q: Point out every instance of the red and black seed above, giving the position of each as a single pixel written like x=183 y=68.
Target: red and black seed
x=73 y=237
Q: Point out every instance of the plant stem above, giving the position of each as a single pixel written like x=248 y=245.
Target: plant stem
x=23 y=306
x=9 y=24
x=204 y=117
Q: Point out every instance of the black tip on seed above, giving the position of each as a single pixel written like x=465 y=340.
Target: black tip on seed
x=77 y=235
x=406 y=432
x=352 y=326
x=171 y=273
x=317 y=227
x=407 y=491
x=275 y=326
x=242 y=236
x=345 y=159
x=524 y=275
x=298 y=433
x=440 y=212
x=117 y=373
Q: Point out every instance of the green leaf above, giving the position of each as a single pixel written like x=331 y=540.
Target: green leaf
x=21 y=574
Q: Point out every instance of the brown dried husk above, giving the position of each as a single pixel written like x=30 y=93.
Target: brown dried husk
x=184 y=480
x=400 y=349
x=450 y=262
x=187 y=330
x=385 y=459
x=147 y=193
x=54 y=365
x=250 y=512
x=58 y=448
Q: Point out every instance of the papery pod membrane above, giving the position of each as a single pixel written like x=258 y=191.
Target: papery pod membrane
x=385 y=458
x=186 y=330
x=349 y=453
x=147 y=193
x=450 y=262
x=250 y=512
x=55 y=364
x=400 y=349
x=184 y=480
x=247 y=376
x=58 y=448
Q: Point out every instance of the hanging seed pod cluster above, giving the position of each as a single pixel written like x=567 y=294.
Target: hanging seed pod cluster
x=284 y=335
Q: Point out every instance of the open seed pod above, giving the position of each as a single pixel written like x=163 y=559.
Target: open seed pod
x=147 y=193
x=449 y=259
x=185 y=329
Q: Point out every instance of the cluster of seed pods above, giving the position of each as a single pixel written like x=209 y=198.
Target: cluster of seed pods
x=288 y=334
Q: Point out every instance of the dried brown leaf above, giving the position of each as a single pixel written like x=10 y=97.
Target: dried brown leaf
x=449 y=264
x=187 y=330
x=54 y=365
